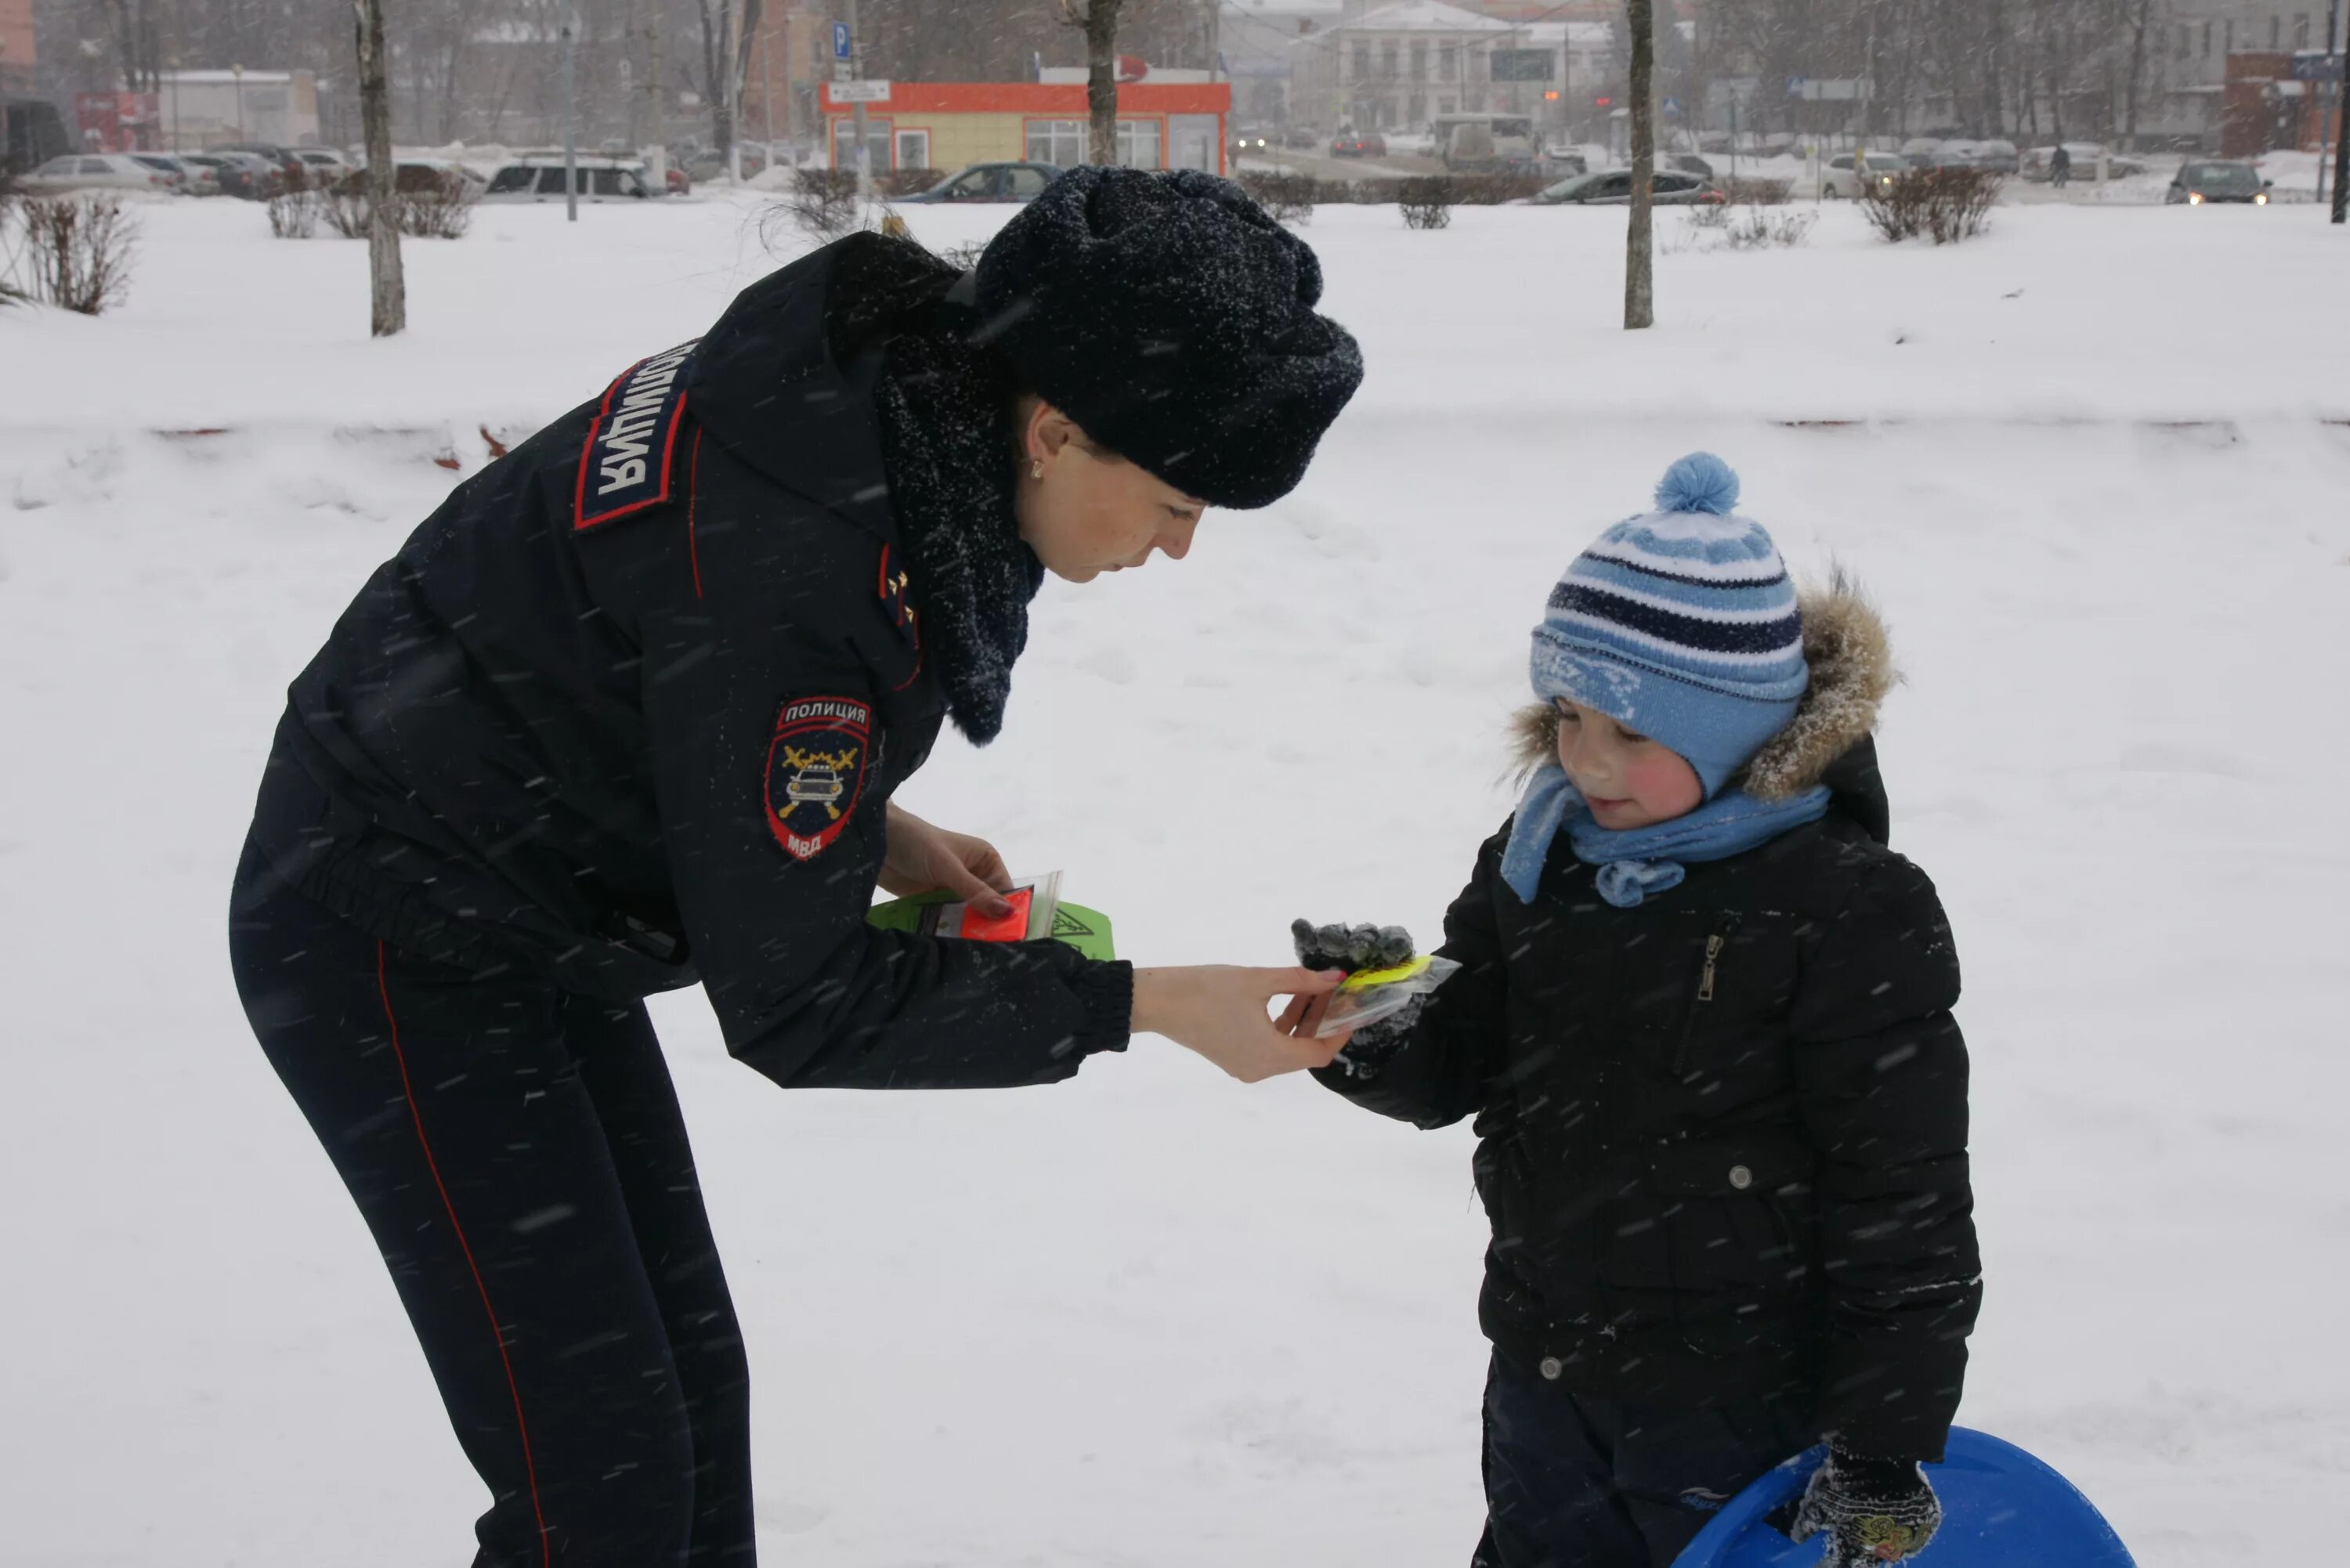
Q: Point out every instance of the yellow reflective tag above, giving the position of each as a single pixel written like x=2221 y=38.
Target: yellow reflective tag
x=1365 y=979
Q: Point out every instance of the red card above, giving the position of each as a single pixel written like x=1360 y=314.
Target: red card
x=1011 y=928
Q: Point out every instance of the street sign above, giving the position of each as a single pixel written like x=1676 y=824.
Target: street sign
x=860 y=92
x=1671 y=106
x=842 y=71
x=840 y=40
x=1795 y=86
x=2317 y=66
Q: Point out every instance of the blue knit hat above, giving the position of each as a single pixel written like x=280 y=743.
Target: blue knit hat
x=1680 y=624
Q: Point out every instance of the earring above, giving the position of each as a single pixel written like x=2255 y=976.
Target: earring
x=1035 y=468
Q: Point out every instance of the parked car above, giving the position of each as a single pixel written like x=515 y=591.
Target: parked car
x=1840 y=178
x=1690 y=164
x=540 y=179
x=215 y=174
x=1359 y=145
x=290 y=169
x=991 y=182
x=248 y=175
x=2035 y=165
x=1613 y=188
x=2201 y=181
x=323 y=161
x=196 y=179
x=704 y=164
x=104 y=172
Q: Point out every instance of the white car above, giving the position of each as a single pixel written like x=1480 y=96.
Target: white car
x=196 y=178
x=324 y=163
x=106 y=172
x=541 y=179
x=1840 y=179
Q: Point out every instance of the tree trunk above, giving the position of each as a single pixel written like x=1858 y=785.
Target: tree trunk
x=2136 y=74
x=1639 y=241
x=1101 y=79
x=388 y=291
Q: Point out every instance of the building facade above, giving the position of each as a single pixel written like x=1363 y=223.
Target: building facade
x=20 y=55
x=197 y=110
x=946 y=125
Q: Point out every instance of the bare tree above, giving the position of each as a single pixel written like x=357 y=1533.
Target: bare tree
x=1100 y=19
x=1639 y=241
x=387 y=290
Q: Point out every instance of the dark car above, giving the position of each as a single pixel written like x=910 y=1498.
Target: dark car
x=245 y=175
x=991 y=182
x=2202 y=180
x=1690 y=164
x=1613 y=188
x=1359 y=145
x=292 y=172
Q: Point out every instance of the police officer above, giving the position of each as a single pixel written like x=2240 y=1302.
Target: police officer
x=627 y=714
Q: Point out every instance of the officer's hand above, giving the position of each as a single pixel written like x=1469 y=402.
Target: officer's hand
x=1220 y=1012
x=1874 y=1511
x=925 y=860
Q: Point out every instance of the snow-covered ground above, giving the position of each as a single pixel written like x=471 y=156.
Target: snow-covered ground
x=1152 y=1317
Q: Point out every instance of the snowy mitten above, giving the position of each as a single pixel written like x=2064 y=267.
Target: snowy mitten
x=1355 y=949
x=1876 y=1511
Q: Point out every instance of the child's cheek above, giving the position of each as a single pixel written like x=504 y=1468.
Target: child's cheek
x=1664 y=783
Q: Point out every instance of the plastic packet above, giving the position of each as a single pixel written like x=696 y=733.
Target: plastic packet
x=1038 y=912
x=1371 y=994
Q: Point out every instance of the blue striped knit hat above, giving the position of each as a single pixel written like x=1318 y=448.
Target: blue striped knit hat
x=1680 y=624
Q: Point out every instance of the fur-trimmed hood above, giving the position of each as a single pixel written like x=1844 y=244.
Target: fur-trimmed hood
x=1851 y=656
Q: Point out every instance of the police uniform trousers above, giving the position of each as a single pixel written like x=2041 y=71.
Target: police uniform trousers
x=518 y=1153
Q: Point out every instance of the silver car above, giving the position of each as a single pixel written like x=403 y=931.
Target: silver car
x=1613 y=188
x=105 y=171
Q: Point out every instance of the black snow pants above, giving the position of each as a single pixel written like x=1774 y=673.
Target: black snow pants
x=1572 y=1482
x=519 y=1155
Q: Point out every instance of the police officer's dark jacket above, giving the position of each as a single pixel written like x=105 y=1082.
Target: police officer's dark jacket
x=627 y=710
x=1723 y=1134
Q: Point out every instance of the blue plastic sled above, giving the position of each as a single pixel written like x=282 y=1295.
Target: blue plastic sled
x=2001 y=1509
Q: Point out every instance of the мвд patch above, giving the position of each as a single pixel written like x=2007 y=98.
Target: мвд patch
x=815 y=770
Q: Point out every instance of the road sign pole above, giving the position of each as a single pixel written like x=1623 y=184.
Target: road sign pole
x=864 y=153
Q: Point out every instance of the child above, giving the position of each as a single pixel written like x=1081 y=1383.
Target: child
x=1703 y=1022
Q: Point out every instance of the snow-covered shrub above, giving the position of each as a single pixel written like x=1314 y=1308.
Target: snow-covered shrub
x=294 y=214
x=346 y=209
x=441 y=209
x=822 y=202
x=73 y=252
x=1287 y=196
x=1745 y=190
x=1946 y=205
x=906 y=181
x=1426 y=200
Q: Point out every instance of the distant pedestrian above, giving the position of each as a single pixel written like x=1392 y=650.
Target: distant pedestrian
x=2060 y=167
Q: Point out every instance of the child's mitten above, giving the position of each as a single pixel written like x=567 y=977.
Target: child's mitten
x=1877 y=1510
x=1355 y=949
x=1350 y=948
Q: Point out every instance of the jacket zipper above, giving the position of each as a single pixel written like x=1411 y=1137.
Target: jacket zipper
x=1715 y=945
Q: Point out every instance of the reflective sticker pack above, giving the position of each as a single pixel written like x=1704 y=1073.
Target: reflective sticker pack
x=625 y=466
x=815 y=770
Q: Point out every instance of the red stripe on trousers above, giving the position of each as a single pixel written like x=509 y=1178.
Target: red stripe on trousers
x=530 y=1467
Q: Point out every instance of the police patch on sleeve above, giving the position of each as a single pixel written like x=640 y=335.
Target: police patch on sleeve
x=815 y=770
x=625 y=466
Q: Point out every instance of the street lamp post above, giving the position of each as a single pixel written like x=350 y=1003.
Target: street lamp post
x=570 y=35
x=238 y=72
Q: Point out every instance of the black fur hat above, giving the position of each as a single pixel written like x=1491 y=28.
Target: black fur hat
x=1174 y=321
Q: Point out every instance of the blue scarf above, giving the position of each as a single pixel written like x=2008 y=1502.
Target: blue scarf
x=1635 y=862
